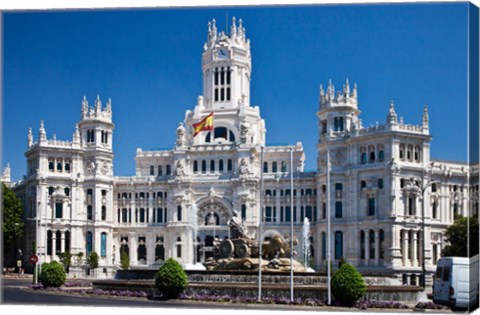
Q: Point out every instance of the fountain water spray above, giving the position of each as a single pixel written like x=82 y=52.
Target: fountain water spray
x=306 y=243
x=195 y=265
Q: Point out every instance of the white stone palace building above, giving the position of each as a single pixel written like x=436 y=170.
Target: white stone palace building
x=372 y=179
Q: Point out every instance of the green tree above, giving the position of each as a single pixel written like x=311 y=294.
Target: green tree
x=92 y=261
x=12 y=224
x=463 y=231
x=171 y=279
x=124 y=260
x=66 y=260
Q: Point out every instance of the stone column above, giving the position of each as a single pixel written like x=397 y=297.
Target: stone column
x=132 y=245
x=367 y=247
x=377 y=248
x=414 y=249
x=406 y=247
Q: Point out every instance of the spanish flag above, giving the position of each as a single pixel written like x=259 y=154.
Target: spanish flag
x=205 y=124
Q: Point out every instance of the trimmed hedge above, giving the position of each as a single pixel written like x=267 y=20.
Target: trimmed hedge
x=52 y=275
x=171 y=279
x=348 y=285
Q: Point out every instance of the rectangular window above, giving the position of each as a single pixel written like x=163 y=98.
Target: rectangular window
x=338 y=209
x=288 y=214
x=268 y=214
x=371 y=206
x=58 y=210
x=179 y=251
x=169 y=170
x=103 y=245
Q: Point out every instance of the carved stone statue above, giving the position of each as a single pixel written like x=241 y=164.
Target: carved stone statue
x=237 y=228
x=179 y=170
x=181 y=140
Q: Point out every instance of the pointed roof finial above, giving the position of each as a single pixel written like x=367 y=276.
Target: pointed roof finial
x=425 y=116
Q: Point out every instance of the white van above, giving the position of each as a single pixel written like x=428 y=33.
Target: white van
x=456 y=282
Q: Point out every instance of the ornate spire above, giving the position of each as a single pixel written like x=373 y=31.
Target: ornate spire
x=42 y=135
x=84 y=105
x=76 y=134
x=30 y=137
x=425 y=117
x=98 y=104
x=392 y=115
x=109 y=105
x=233 y=28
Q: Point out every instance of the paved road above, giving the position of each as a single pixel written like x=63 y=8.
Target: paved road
x=14 y=293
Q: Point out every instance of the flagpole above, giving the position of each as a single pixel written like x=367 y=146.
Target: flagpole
x=329 y=249
x=260 y=239
x=291 y=224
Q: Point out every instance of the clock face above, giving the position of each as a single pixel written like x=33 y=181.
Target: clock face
x=223 y=53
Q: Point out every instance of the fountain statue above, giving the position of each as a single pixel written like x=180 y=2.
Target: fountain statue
x=241 y=251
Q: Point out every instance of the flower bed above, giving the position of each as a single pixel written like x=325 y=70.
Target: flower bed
x=250 y=300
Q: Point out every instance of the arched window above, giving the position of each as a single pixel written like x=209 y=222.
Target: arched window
x=220 y=165
x=324 y=245
x=409 y=152
x=434 y=209
x=142 y=250
x=338 y=209
x=124 y=245
x=372 y=156
x=381 y=235
x=152 y=170
x=179 y=213
x=168 y=171
x=338 y=245
x=103 y=244
x=212 y=166
x=89 y=243
x=67 y=241
x=89 y=212
x=229 y=165
x=49 y=242
x=160 y=170
x=380 y=183
x=58 y=210
x=179 y=247
x=371 y=206
x=244 y=212
x=417 y=154
x=124 y=215
x=274 y=167
x=58 y=242
x=159 y=249
x=402 y=152
x=362 y=244
x=371 y=239
x=204 y=166
x=284 y=166
x=195 y=166
x=265 y=167
x=104 y=213
x=381 y=155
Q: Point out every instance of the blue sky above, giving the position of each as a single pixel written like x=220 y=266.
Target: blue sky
x=148 y=61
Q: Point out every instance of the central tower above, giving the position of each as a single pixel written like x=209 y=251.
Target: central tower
x=226 y=67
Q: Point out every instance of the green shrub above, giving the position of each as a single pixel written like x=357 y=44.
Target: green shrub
x=348 y=285
x=52 y=275
x=171 y=279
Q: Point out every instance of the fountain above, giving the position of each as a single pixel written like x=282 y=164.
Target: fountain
x=241 y=252
x=306 y=244
x=195 y=265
